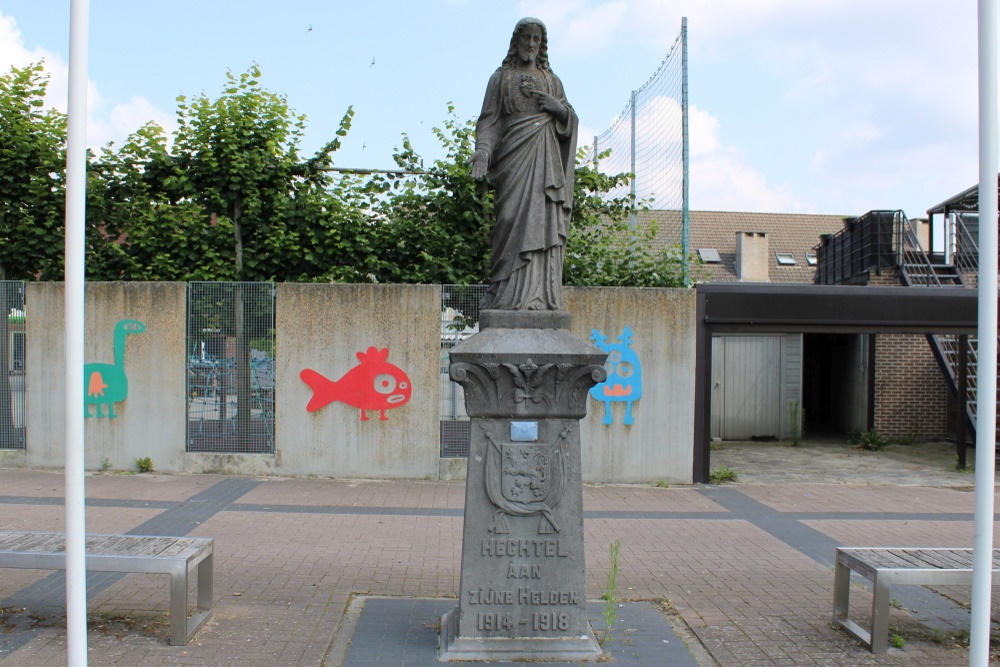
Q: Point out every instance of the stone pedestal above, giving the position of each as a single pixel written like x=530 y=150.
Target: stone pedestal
x=523 y=589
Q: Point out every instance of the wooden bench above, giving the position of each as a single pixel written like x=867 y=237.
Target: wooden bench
x=885 y=567
x=176 y=556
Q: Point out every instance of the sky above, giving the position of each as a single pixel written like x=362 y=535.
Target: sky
x=796 y=106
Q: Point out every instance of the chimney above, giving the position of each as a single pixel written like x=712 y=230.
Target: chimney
x=751 y=257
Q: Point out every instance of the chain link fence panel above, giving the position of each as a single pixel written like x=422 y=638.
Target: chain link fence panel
x=230 y=367
x=12 y=347
x=459 y=320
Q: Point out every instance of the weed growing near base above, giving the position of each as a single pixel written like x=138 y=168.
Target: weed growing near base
x=795 y=422
x=145 y=464
x=610 y=596
x=970 y=465
x=896 y=641
x=872 y=441
x=721 y=475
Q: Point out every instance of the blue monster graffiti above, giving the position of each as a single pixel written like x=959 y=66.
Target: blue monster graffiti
x=624 y=381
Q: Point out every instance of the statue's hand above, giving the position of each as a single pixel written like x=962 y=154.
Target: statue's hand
x=550 y=104
x=480 y=162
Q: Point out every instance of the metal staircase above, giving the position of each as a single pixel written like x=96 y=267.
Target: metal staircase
x=959 y=268
x=884 y=241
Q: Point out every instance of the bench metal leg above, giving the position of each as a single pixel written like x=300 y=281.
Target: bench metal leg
x=178 y=607
x=183 y=628
x=841 y=591
x=841 y=606
x=205 y=584
x=880 y=616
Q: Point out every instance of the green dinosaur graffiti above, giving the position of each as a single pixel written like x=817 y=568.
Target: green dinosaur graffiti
x=107 y=384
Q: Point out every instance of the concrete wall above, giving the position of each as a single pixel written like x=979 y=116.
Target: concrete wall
x=323 y=327
x=658 y=444
x=151 y=421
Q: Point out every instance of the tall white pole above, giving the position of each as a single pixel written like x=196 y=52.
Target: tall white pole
x=76 y=200
x=986 y=398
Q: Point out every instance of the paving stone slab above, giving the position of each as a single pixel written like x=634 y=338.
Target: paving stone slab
x=404 y=631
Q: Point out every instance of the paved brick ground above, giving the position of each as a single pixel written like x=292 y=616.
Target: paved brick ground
x=742 y=566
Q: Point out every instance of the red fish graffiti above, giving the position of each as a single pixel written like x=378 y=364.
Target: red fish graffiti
x=374 y=384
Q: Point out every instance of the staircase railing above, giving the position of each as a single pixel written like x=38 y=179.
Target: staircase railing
x=863 y=245
x=881 y=240
x=964 y=255
x=965 y=252
x=915 y=266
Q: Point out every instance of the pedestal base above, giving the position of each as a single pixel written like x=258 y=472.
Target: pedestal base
x=536 y=649
x=524 y=319
x=523 y=591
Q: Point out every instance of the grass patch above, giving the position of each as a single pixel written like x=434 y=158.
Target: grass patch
x=872 y=441
x=721 y=475
x=970 y=465
x=610 y=596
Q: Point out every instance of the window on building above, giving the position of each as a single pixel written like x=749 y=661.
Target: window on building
x=785 y=258
x=709 y=255
x=811 y=258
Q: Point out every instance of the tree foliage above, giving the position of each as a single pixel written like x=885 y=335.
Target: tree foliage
x=603 y=249
x=32 y=178
x=231 y=197
x=432 y=228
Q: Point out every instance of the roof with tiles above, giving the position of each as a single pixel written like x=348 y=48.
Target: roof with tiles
x=787 y=233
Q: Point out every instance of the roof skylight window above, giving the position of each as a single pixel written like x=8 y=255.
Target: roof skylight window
x=709 y=255
x=785 y=258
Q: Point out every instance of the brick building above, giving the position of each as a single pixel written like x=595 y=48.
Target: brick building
x=839 y=383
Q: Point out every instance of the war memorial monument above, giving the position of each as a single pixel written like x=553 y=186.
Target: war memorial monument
x=526 y=380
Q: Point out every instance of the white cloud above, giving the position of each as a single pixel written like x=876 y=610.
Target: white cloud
x=13 y=53
x=107 y=120
x=723 y=181
x=721 y=177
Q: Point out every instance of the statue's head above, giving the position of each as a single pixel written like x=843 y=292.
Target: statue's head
x=542 y=57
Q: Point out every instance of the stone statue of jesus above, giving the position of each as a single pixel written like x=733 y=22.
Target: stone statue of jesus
x=526 y=143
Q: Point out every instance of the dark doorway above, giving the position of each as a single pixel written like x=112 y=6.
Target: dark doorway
x=834 y=383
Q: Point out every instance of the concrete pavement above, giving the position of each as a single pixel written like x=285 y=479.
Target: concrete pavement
x=741 y=572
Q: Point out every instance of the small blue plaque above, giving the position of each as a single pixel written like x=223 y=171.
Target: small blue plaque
x=524 y=431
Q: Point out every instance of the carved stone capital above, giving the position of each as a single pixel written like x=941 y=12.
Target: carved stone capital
x=534 y=374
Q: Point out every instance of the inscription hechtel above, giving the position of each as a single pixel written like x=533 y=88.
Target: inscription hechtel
x=497 y=546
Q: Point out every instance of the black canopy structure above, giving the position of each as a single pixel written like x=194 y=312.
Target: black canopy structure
x=782 y=308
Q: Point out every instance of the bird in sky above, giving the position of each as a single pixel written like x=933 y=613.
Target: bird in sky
x=373 y=62
x=310 y=28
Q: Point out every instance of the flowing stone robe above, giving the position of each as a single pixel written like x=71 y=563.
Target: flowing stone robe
x=532 y=162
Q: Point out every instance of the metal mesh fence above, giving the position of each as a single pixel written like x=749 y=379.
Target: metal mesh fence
x=648 y=139
x=230 y=367
x=12 y=364
x=459 y=320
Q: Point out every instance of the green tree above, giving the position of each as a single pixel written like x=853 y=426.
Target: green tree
x=135 y=230
x=432 y=228
x=238 y=157
x=32 y=199
x=603 y=248
x=32 y=178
